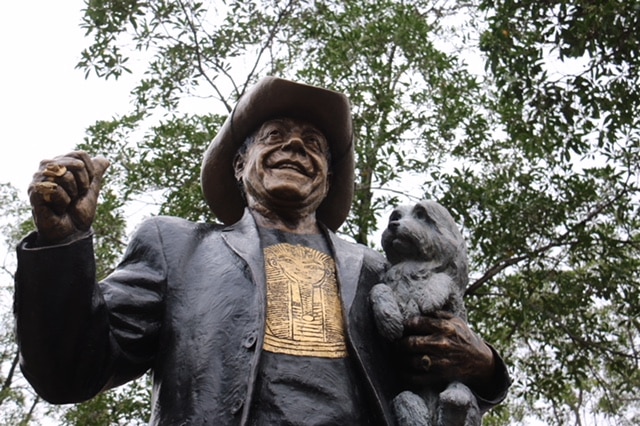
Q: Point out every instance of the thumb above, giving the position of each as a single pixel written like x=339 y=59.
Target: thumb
x=100 y=165
x=85 y=209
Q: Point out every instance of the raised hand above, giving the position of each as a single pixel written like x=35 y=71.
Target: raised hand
x=64 y=195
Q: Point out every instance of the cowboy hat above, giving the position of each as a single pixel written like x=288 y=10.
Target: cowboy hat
x=271 y=98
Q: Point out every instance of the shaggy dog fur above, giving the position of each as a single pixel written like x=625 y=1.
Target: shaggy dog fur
x=428 y=273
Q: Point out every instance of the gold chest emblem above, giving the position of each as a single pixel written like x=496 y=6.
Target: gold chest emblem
x=304 y=312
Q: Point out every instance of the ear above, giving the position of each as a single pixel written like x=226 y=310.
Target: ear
x=328 y=182
x=238 y=166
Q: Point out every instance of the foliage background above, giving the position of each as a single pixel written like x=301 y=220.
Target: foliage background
x=521 y=117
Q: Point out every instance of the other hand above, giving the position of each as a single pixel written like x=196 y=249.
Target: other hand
x=441 y=349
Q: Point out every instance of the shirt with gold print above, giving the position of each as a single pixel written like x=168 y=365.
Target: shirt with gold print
x=306 y=376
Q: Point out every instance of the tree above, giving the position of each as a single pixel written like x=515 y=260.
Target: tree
x=554 y=210
x=539 y=164
x=19 y=403
x=381 y=54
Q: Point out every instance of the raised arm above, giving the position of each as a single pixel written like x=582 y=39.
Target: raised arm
x=76 y=336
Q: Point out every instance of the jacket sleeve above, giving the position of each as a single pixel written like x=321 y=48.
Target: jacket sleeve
x=78 y=337
x=499 y=385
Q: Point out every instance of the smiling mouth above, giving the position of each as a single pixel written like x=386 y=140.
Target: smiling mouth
x=287 y=165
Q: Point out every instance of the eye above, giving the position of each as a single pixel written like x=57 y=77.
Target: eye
x=313 y=142
x=271 y=134
x=420 y=213
x=395 y=215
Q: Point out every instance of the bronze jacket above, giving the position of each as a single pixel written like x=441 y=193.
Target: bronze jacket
x=188 y=302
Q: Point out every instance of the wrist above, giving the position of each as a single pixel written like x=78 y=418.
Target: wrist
x=482 y=380
x=44 y=240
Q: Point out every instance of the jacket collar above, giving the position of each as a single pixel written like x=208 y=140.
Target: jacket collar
x=243 y=236
x=348 y=258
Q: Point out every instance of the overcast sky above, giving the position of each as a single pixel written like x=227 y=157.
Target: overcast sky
x=45 y=103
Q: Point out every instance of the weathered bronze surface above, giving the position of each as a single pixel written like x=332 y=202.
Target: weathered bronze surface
x=218 y=317
x=428 y=275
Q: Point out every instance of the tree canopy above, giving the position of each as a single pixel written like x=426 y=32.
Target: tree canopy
x=536 y=155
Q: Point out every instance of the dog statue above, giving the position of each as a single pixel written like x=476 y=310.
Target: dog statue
x=428 y=273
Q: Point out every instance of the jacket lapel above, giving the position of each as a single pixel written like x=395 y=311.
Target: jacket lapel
x=348 y=259
x=243 y=238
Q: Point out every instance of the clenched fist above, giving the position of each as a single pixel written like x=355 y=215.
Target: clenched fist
x=64 y=195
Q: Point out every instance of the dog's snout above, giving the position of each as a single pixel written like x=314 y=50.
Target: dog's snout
x=394 y=224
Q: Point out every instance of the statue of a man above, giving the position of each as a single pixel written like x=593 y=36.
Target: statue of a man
x=263 y=320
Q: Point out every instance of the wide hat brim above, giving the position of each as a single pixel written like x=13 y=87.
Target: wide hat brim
x=273 y=98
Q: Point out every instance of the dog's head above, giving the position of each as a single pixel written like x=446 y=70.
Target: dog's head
x=426 y=232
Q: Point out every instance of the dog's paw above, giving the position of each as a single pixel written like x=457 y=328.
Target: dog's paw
x=386 y=312
x=411 y=410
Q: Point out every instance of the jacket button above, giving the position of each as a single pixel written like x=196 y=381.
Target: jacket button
x=237 y=405
x=250 y=340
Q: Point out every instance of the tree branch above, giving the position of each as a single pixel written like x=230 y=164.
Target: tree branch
x=29 y=415
x=7 y=382
x=501 y=265
x=198 y=50
x=272 y=33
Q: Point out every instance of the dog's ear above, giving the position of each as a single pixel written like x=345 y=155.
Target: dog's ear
x=461 y=265
x=455 y=246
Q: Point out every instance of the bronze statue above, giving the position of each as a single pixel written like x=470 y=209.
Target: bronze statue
x=428 y=276
x=264 y=319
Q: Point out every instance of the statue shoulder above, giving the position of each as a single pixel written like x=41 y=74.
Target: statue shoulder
x=371 y=259
x=374 y=257
x=174 y=228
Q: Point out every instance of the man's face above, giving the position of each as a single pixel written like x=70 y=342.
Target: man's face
x=286 y=167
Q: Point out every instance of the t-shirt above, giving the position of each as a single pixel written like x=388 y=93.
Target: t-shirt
x=306 y=376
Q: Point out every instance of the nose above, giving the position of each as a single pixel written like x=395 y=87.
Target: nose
x=295 y=144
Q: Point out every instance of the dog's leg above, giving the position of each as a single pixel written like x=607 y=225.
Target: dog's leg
x=386 y=312
x=411 y=410
x=458 y=407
